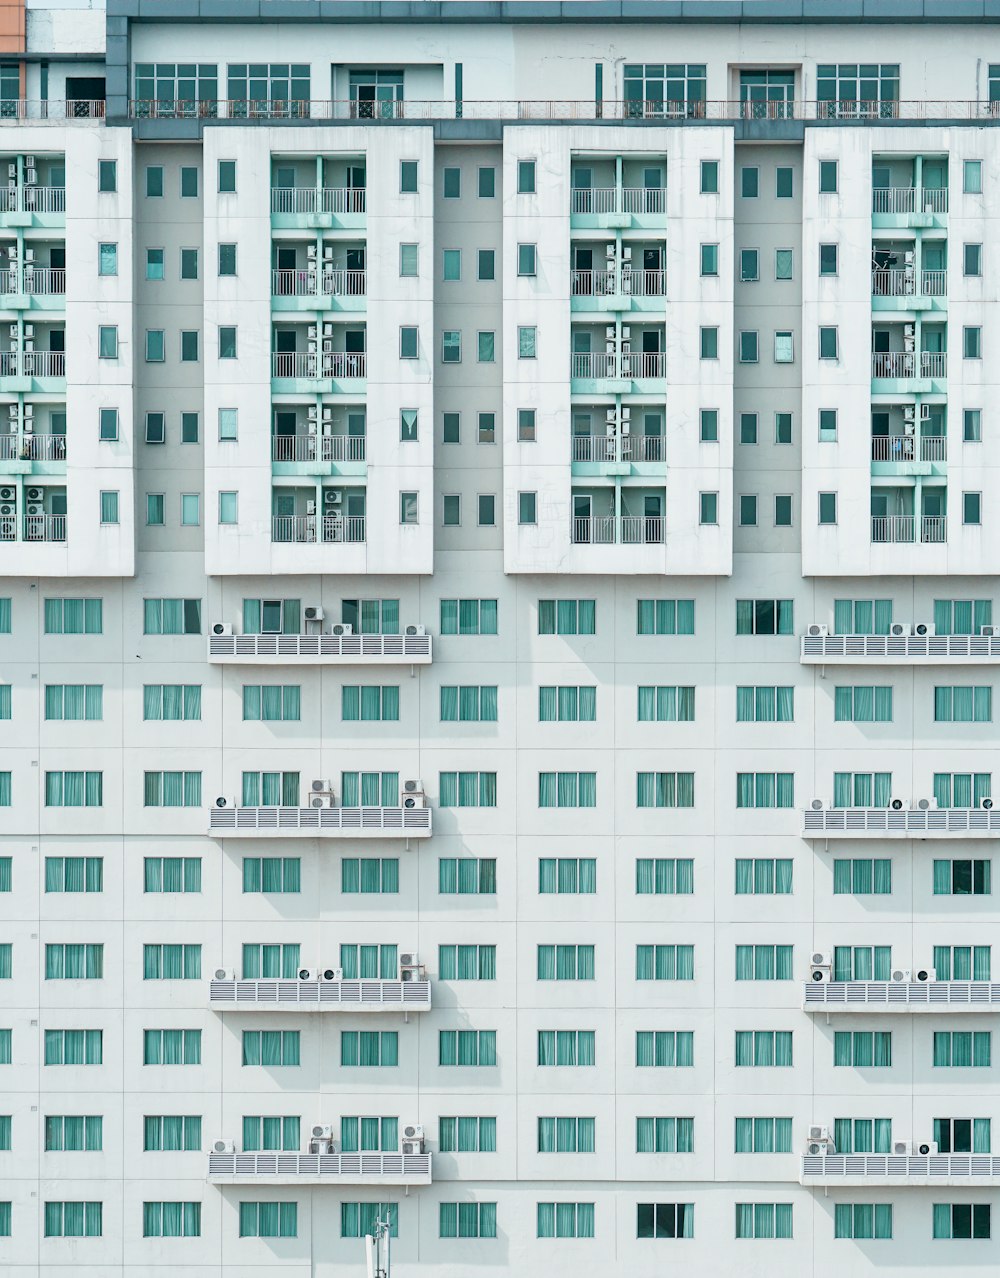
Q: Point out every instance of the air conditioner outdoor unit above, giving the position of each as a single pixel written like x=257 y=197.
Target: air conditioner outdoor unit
x=924 y=628
x=327 y=413
x=7 y=509
x=223 y=1147
x=29 y=161
x=819 y=974
x=409 y=966
x=414 y=630
x=327 y=330
x=331 y=497
x=6 y=494
x=411 y=801
x=927 y=974
x=819 y=805
x=12 y=254
x=29 y=410
x=29 y=256
x=820 y=1133
x=925 y=412
x=222 y=627
x=12 y=170
x=332 y=974
x=310 y=508
x=225 y=974
x=222 y=802
x=310 y=251
x=908 y=259
x=342 y=628
x=322 y=1131
x=609 y=252
x=927 y=805
x=903 y=1147
x=817 y=630
x=626 y=413
x=413 y=786
x=990 y=632
x=327 y=345
x=820 y=1147
x=819 y=959
x=30 y=177
x=902 y=975
x=909 y=412
x=899 y=628
x=12 y=412
x=411 y=1146
x=314 y=613
x=413 y=1131
x=34 y=494
x=986 y=804
x=308 y=974
x=928 y=1147
x=319 y=786
x=312 y=412
x=312 y=332
x=321 y=801
x=897 y=804
x=609 y=332
x=35 y=508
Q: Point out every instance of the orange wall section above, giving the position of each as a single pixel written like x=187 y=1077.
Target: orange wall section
x=12 y=27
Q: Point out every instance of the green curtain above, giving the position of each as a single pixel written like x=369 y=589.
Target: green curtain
x=5 y=615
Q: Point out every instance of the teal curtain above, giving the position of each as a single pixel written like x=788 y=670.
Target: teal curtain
x=5 y=615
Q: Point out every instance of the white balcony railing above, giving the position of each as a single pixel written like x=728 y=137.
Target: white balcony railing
x=593 y=283
x=321 y=996
x=606 y=530
x=594 y=199
x=640 y=530
x=309 y=200
x=45 y=281
x=344 y=649
x=33 y=199
x=320 y=1169
x=901 y=996
x=608 y=448
x=596 y=530
x=309 y=282
x=900 y=1169
x=353 y=822
x=907 y=199
x=908 y=448
x=934 y=283
x=33 y=527
x=640 y=199
x=893 y=649
x=593 y=364
x=331 y=528
x=36 y=447
x=640 y=283
x=307 y=448
x=32 y=364
x=899 y=281
x=853 y=823
x=644 y=364
x=909 y=364
x=630 y=283
x=902 y=529
x=340 y=364
x=633 y=364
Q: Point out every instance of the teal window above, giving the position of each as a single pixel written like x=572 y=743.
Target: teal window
x=710 y=177
x=154 y=264
x=367 y=789
x=748 y=511
x=527 y=341
x=7 y=875
x=408 y=177
x=74 y=1219
x=358 y=1219
x=709 y=419
x=863 y=1049
x=664 y=789
x=961 y=1220
x=74 y=789
x=665 y=704
x=972 y=342
x=567 y=789
x=784 y=183
x=566 y=1047
x=369 y=1048
x=962 y=789
x=469 y=703
x=487 y=182
x=280 y=1132
x=73 y=1047
x=171 y=701
x=828 y=177
x=765 y=789
x=665 y=617
x=765 y=704
x=451 y=346
x=749 y=266
x=227 y=177
x=467 y=962
x=73 y=616
x=570 y=875
x=763 y=1049
x=664 y=962
x=709 y=342
x=764 y=962
x=862 y=703
x=272 y=702
x=171 y=1220
x=862 y=876
x=763 y=1220
x=709 y=259
x=189 y=182
x=467 y=789
x=763 y=1136
x=827 y=509
x=862 y=962
x=784 y=351
x=171 y=1132
x=962 y=962
x=828 y=259
x=269 y=1220
x=408 y=429
x=972 y=508
x=962 y=616
x=172 y=962
x=467 y=876
x=107 y=176
x=749 y=182
x=566 y=616
x=190 y=510
x=486 y=264
x=784 y=263
x=664 y=1049
x=366 y=1134
x=565 y=963
x=467 y=1135
x=963 y=1135
x=276 y=961
x=664 y=1220
x=171 y=617
x=5 y=790
x=862 y=1135
x=827 y=425
x=527 y=259
x=862 y=616
x=155 y=510
x=409 y=344
x=5 y=1047
x=172 y=789
x=664 y=876
x=271 y=1047
x=664 y=1135
x=467 y=1047
x=189 y=346
x=962 y=877
x=782 y=428
x=107 y=341
x=409 y=261
x=369 y=616
x=107 y=259
x=862 y=1220
x=229 y=424
x=189 y=263
x=227 y=259
x=452 y=184
x=763 y=876
x=77 y=1133
x=272 y=874
x=228 y=341
x=369 y=874
x=764 y=617
x=172 y=874
x=154 y=346
x=564 y=1220
x=527 y=508
x=108 y=425
x=526 y=177
x=74 y=874
x=468 y=616
x=70 y=701
x=748 y=428
x=565 y=1135
x=962 y=704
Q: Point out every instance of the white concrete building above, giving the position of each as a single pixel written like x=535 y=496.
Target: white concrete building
x=497 y=638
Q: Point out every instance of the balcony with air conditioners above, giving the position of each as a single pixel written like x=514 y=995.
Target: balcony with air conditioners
x=909 y=192
x=899 y=1164
x=899 y=818
x=616 y=514
x=618 y=358
x=323 y=1163
x=314 y=437
x=318 y=275
x=910 y=275
x=32 y=511
x=320 y=641
x=909 y=511
x=909 y=357
x=35 y=191
x=32 y=357
x=322 y=817
x=320 y=358
x=318 y=192
x=32 y=275
x=901 y=643
x=325 y=513
x=32 y=440
x=618 y=276
x=325 y=989
x=622 y=193
x=909 y=439
x=908 y=990
x=618 y=440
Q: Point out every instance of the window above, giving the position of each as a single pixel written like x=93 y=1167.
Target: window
x=451 y=347
x=665 y=617
x=862 y=962
x=784 y=259
x=172 y=1133
x=664 y=876
x=467 y=1047
x=227 y=341
x=527 y=259
x=172 y=874
x=409 y=509
x=172 y=616
x=107 y=259
x=963 y=1135
x=272 y=874
x=468 y=616
x=567 y=875
x=467 y=789
x=74 y=1219
x=749 y=182
x=962 y=878
x=174 y=962
x=227 y=177
x=189 y=345
x=109 y=507
x=70 y=701
x=227 y=259
x=763 y=962
x=862 y=876
x=154 y=264
x=78 y=1133
x=452 y=184
x=665 y=704
x=467 y=876
x=972 y=342
x=526 y=177
x=74 y=874
x=765 y=704
x=273 y=702
x=171 y=701
x=467 y=1220
x=862 y=1220
x=566 y=616
x=171 y=1047
x=748 y=510
x=486 y=264
x=366 y=875
x=486 y=428
x=269 y=1220
x=107 y=176
x=73 y=1047
x=763 y=1136
x=961 y=1220
x=828 y=259
x=972 y=505
x=665 y=789
x=862 y=616
x=408 y=419
x=827 y=425
x=765 y=790
x=748 y=347
x=763 y=1049
x=452 y=265
x=155 y=428
x=486 y=348
x=710 y=177
x=783 y=183
x=472 y=1135
x=567 y=789
x=972 y=177
x=763 y=1220
x=565 y=963
x=469 y=703
x=171 y=1220
x=154 y=346
x=362 y=789
x=972 y=259
x=107 y=341
x=565 y=1047
x=764 y=617
x=763 y=876
x=408 y=177
x=189 y=263
x=108 y=425
x=565 y=1220
x=527 y=346
x=408 y=261
x=861 y=789
x=467 y=962
x=783 y=351
x=665 y=1220
x=565 y=1135
x=271 y=1047
x=189 y=182
x=527 y=508
x=664 y=1049
x=863 y=1049
x=709 y=259
x=962 y=962
x=827 y=177
x=708 y=508
x=782 y=428
x=709 y=340
x=828 y=343
x=154 y=181
x=664 y=962
x=862 y=704
x=172 y=789
x=963 y=704
x=962 y=616
x=972 y=426
x=487 y=182
x=358 y=1219
x=749 y=265
x=368 y=616
x=709 y=419
x=74 y=789
x=229 y=508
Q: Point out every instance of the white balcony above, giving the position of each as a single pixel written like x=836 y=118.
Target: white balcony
x=33 y=527
x=877 y=1170
x=630 y=199
x=329 y=199
x=33 y=199
x=907 y=364
x=627 y=283
x=32 y=364
x=939 y=997
x=324 y=448
x=892 y=650
x=909 y=448
x=32 y=447
x=345 y=365
x=635 y=447
x=907 y=199
x=319 y=1169
x=347 y=650
x=330 y=528
x=903 y=529
x=899 y=281
x=889 y=823
x=640 y=365
x=606 y=530
x=351 y=823
x=321 y=996
x=310 y=282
